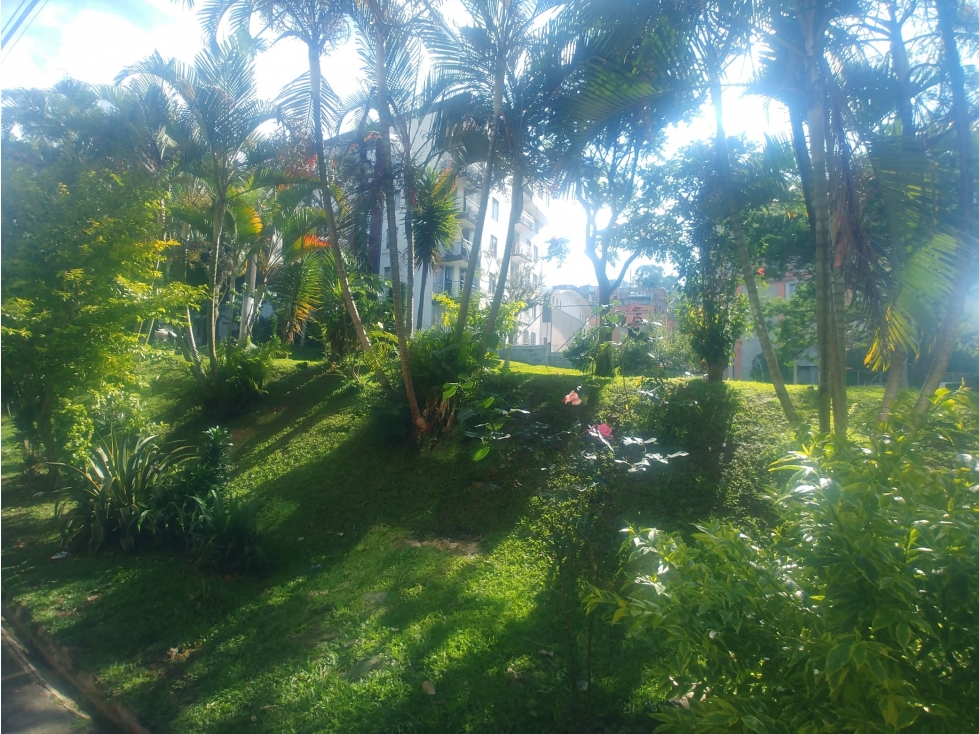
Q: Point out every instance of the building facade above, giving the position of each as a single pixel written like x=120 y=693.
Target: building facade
x=449 y=279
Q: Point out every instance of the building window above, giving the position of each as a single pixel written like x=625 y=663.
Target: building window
x=495 y=212
x=533 y=338
x=536 y=254
x=525 y=337
x=493 y=243
x=447 y=281
x=790 y=289
x=387 y=273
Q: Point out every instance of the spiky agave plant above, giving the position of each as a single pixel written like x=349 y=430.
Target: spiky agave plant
x=112 y=497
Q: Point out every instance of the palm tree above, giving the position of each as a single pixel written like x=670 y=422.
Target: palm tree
x=382 y=24
x=319 y=25
x=435 y=221
x=965 y=222
x=218 y=119
x=723 y=32
x=525 y=104
x=474 y=62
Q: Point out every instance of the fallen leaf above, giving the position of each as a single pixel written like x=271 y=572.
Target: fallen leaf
x=428 y=688
x=59 y=555
x=515 y=674
x=545 y=652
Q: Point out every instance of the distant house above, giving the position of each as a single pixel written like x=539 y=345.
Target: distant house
x=747 y=352
x=565 y=314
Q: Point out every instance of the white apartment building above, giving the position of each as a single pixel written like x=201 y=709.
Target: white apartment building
x=527 y=251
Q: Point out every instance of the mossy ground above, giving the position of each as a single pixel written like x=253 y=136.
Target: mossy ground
x=355 y=613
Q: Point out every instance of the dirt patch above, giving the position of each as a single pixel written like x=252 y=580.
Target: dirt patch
x=462 y=547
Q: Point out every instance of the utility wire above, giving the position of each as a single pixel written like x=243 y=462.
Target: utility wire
x=25 y=28
x=18 y=19
x=14 y=15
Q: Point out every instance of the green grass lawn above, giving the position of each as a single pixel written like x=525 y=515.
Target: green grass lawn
x=368 y=597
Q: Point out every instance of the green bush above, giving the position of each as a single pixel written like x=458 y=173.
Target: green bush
x=646 y=351
x=195 y=512
x=131 y=490
x=858 y=612
x=112 y=500
x=239 y=380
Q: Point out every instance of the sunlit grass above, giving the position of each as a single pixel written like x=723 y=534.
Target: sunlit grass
x=351 y=619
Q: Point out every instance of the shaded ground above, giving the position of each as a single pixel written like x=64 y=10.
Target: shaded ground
x=29 y=705
x=367 y=600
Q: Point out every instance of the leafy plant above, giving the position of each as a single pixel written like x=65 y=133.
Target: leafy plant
x=195 y=511
x=112 y=499
x=858 y=612
x=713 y=329
x=238 y=381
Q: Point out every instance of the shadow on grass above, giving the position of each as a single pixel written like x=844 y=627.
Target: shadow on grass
x=350 y=622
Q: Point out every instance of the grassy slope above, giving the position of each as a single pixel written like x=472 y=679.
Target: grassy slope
x=353 y=618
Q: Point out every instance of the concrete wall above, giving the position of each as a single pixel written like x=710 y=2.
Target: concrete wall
x=540 y=354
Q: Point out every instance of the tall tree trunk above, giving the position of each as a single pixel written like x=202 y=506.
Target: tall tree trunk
x=232 y=292
x=516 y=209
x=409 y=191
x=838 y=350
x=375 y=230
x=897 y=371
x=895 y=376
x=747 y=269
x=220 y=206
x=421 y=299
x=483 y=202
x=315 y=80
x=248 y=301
x=816 y=118
x=949 y=331
x=190 y=342
x=902 y=70
x=387 y=181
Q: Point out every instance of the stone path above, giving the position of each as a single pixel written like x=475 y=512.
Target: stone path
x=29 y=703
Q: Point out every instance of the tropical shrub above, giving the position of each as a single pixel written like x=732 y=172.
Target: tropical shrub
x=195 y=511
x=112 y=500
x=859 y=611
x=713 y=329
x=239 y=380
x=644 y=350
x=132 y=490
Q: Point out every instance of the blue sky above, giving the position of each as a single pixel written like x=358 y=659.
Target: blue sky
x=93 y=40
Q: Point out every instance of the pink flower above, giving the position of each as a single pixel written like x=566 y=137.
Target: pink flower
x=572 y=398
x=602 y=432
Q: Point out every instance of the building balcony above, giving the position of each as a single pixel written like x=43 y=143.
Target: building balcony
x=470 y=209
x=448 y=287
x=521 y=253
x=527 y=222
x=460 y=253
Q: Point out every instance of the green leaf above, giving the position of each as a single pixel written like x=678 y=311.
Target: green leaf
x=837 y=658
x=754 y=724
x=481 y=453
x=449 y=391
